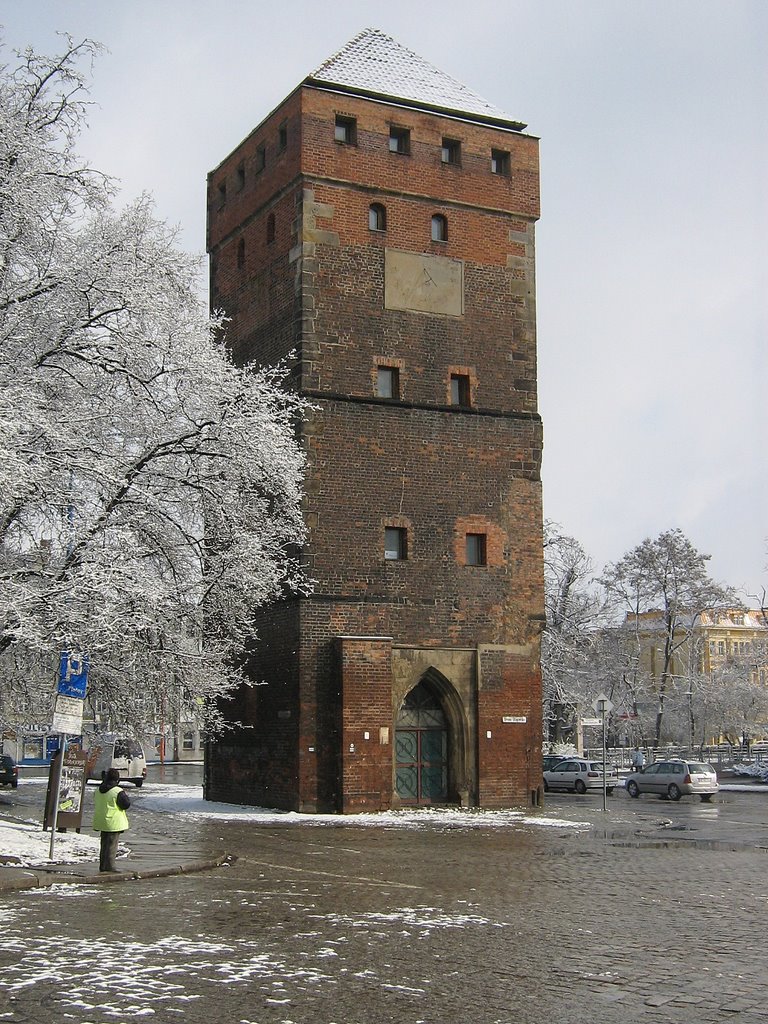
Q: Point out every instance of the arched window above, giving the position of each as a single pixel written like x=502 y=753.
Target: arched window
x=377 y=217
x=439 y=228
x=241 y=254
x=271 y=227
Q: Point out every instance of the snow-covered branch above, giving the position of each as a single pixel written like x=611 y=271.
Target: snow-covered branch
x=150 y=490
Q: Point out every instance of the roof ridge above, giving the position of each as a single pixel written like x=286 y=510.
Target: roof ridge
x=375 y=63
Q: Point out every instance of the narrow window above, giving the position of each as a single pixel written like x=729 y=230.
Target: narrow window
x=388 y=382
x=271 y=227
x=476 y=549
x=451 y=151
x=222 y=195
x=399 y=140
x=282 y=136
x=377 y=217
x=241 y=254
x=188 y=741
x=439 y=228
x=240 y=177
x=460 y=390
x=395 y=544
x=261 y=159
x=499 y=161
x=345 y=131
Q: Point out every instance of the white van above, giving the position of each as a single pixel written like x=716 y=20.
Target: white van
x=112 y=751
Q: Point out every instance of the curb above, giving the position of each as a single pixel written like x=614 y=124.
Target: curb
x=31 y=878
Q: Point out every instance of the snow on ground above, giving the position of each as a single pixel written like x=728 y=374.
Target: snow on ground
x=25 y=843
x=28 y=845
x=188 y=800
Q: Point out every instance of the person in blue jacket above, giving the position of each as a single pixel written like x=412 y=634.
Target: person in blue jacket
x=109 y=818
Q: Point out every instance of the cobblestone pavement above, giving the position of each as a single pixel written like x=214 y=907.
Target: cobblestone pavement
x=653 y=913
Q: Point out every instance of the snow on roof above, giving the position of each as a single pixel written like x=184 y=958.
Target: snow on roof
x=376 y=64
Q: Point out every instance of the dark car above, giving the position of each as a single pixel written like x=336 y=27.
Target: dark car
x=549 y=761
x=9 y=773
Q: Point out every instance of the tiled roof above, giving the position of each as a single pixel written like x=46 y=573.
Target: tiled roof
x=374 y=64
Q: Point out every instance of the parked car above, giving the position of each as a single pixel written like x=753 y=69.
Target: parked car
x=674 y=778
x=9 y=773
x=580 y=774
x=123 y=753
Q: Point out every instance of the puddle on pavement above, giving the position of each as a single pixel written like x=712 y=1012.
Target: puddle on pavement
x=681 y=835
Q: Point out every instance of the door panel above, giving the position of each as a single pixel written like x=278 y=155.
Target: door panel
x=421 y=749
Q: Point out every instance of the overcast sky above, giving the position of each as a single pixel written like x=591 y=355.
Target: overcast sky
x=651 y=249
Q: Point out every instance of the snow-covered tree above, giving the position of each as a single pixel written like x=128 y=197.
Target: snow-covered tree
x=150 y=490
x=571 y=640
x=666 y=576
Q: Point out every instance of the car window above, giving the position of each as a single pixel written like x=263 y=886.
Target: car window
x=127 y=748
x=698 y=767
x=568 y=766
x=650 y=769
x=678 y=769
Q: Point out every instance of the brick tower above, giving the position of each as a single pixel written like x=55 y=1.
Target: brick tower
x=379 y=224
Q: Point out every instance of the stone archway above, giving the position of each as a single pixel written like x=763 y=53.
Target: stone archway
x=430 y=744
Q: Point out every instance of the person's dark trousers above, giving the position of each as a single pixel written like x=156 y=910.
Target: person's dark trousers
x=108 y=850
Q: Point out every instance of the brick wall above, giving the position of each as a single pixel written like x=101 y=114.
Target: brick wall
x=509 y=752
x=298 y=268
x=367 y=736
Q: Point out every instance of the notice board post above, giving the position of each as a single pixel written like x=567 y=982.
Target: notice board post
x=65 y=797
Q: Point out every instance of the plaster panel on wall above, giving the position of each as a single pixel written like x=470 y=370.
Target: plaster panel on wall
x=423 y=283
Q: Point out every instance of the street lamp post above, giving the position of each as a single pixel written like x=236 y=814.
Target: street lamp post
x=602 y=706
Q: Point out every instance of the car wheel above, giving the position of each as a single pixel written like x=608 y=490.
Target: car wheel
x=546 y=786
x=633 y=789
x=15 y=784
x=674 y=792
x=138 y=783
x=579 y=786
x=706 y=797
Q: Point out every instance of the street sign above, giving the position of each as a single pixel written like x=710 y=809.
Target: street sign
x=515 y=719
x=73 y=675
x=67 y=715
x=602 y=704
x=591 y=721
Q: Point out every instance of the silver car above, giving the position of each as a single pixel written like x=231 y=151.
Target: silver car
x=673 y=779
x=579 y=774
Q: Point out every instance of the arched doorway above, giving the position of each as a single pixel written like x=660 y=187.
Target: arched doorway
x=421 y=748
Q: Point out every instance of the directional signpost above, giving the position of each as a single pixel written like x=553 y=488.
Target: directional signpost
x=603 y=706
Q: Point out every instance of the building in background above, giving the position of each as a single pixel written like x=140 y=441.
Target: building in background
x=377 y=230
x=705 y=645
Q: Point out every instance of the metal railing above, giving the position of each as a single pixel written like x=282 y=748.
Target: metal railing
x=719 y=756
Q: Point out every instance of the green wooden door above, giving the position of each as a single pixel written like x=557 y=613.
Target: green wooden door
x=421 y=749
